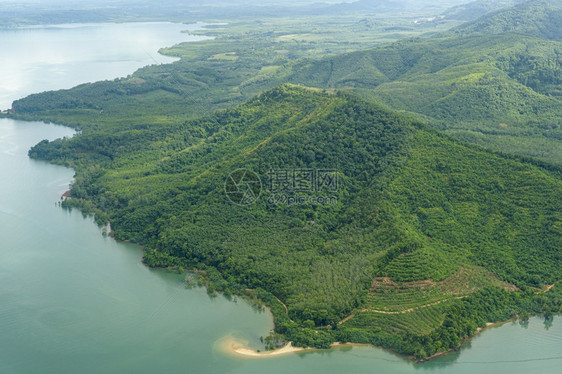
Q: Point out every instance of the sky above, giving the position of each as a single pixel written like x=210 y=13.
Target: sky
x=277 y=2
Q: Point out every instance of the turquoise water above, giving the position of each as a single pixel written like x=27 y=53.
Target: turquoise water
x=73 y=300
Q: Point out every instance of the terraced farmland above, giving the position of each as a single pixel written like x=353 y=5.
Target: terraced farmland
x=419 y=321
x=388 y=295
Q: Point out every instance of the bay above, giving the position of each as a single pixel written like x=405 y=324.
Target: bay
x=73 y=300
x=43 y=58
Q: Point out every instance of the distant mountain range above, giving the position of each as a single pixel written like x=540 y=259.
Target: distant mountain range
x=475 y=9
x=540 y=18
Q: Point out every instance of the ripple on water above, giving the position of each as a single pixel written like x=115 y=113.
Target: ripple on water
x=63 y=319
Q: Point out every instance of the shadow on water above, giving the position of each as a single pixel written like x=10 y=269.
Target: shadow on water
x=446 y=360
x=548 y=322
x=453 y=357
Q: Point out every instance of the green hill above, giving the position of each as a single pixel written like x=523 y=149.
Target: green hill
x=353 y=219
x=476 y=9
x=386 y=221
x=501 y=91
x=539 y=18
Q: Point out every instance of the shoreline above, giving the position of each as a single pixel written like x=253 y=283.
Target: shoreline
x=233 y=346
x=237 y=347
x=465 y=341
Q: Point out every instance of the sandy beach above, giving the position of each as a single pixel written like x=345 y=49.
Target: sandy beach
x=239 y=348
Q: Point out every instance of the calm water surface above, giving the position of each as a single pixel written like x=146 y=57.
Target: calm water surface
x=42 y=58
x=72 y=300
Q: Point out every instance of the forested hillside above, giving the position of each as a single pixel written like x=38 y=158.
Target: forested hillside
x=475 y=9
x=353 y=208
x=539 y=18
x=502 y=91
x=496 y=89
x=412 y=209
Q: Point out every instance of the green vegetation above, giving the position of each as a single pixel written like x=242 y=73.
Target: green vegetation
x=426 y=237
x=500 y=91
x=450 y=325
x=420 y=321
x=476 y=9
x=388 y=295
x=246 y=58
x=540 y=18
x=418 y=207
